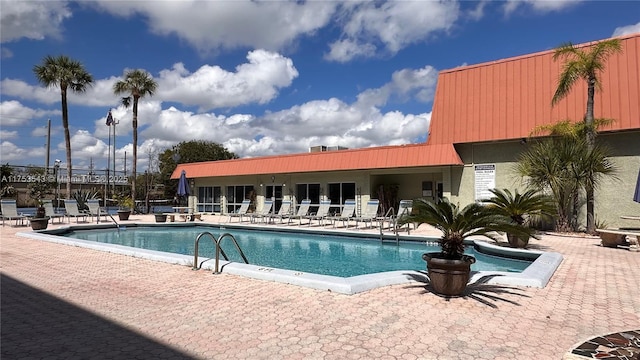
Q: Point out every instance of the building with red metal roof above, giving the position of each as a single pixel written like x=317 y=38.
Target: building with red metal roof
x=482 y=116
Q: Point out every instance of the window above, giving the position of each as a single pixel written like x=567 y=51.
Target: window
x=427 y=189
x=338 y=193
x=236 y=194
x=209 y=199
x=274 y=192
x=311 y=192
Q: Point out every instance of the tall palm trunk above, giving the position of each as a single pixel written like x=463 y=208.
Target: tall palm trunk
x=67 y=136
x=591 y=138
x=135 y=147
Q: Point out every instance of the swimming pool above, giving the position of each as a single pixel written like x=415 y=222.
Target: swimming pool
x=537 y=274
x=325 y=254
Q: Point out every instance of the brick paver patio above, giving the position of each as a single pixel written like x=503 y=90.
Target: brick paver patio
x=60 y=301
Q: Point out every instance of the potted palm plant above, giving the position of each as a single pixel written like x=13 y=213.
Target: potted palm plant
x=449 y=269
x=160 y=217
x=521 y=209
x=37 y=191
x=125 y=206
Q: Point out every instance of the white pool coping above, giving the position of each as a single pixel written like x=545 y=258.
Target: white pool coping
x=536 y=275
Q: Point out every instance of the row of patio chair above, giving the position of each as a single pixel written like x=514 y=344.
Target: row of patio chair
x=10 y=212
x=322 y=216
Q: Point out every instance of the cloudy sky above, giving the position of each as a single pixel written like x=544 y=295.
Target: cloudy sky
x=263 y=77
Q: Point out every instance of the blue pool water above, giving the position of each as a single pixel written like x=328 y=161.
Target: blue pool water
x=314 y=253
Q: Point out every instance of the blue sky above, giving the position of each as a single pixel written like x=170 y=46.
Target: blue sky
x=263 y=78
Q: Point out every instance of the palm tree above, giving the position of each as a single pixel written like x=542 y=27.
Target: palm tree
x=585 y=64
x=564 y=165
x=585 y=165
x=458 y=224
x=520 y=208
x=449 y=270
x=66 y=73
x=137 y=83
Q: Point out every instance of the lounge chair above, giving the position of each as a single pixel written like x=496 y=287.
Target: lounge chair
x=10 y=212
x=263 y=213
x=71 y=210
x=321 y=214
x=302 y=212
x=283 y=212
x=51 y=213
x=405 y=209
x=370 y=213
x=95 y=210
x=242 y=211
x=347 y=213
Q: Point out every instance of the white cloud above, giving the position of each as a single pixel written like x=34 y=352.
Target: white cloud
x=5 y=53
x=212 y=26
x=215 y=25
x=541 y=6
x=391 y=25
x=13 y=113
x=256 y=81
x=406 y=83
x=12 y=153
x=6 y=135
x=347 y=49
x=32 y=19
x=277 y=25
x=330 y=121
x=477 y=13
x=293 y=130
x=625 y=30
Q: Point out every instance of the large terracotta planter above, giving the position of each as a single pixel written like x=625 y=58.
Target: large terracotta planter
x=612 y=239
x=124 y=214
x=517 y=242
x=448 y=277
x=39 y=223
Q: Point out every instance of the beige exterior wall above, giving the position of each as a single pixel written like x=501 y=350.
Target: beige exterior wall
x=612 y=199
x=408 y=182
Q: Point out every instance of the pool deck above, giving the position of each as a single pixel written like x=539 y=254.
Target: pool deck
x=69 y=302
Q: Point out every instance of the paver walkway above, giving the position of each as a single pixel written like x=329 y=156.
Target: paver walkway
x=60 y=301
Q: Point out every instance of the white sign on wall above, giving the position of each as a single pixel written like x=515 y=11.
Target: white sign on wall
x=485 y=179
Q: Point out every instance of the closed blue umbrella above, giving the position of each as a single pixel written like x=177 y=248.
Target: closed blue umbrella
x=636 y=196
x=183 y=186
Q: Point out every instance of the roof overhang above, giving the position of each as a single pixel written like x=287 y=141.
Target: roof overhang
x=384 y=157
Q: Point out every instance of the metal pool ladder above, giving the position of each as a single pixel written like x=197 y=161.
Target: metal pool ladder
x=391 y=214
x=219 y=250
x=111 y=216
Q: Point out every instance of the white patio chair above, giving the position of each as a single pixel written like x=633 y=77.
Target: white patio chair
x=71 y=211
x=321 y=214
x=51 y=213
x=347 y=213
x=242 y=211
x=370 y=213
x=283 y=212
x=10 y=212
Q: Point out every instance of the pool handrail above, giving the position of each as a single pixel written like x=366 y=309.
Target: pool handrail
x=392 y=219
x=218 y=250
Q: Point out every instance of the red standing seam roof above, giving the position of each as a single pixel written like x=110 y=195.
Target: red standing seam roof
x=507 y=99
x=383 y=157
x=499 y=100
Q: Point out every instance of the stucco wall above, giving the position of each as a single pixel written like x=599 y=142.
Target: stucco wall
x=613 y=197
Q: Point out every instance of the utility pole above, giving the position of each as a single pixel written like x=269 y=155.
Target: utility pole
x=48 y=144
x=114 y=122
